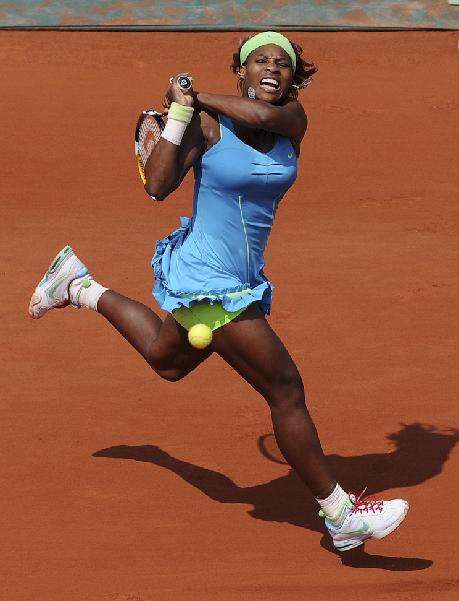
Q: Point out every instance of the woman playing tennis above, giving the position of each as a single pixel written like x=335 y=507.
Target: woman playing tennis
x=244 y=152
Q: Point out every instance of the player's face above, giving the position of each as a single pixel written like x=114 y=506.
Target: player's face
x=268 y=71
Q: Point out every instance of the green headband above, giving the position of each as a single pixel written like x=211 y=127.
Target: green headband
x=265 y=38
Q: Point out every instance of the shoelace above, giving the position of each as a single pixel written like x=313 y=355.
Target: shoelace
x=365 y=505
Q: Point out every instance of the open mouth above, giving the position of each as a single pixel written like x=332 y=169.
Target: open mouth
x=269 y=84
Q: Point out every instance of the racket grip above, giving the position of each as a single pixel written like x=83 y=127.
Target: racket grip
x=184 y=82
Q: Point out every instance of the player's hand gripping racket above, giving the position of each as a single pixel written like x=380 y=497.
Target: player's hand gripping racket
x=149 y=128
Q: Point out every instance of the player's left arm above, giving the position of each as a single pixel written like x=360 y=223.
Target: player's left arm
x=287 y=119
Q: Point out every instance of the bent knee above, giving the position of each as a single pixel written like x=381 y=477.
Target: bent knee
x=164 y=366
x=166 y=371
x=171 y=374
x=287 y=392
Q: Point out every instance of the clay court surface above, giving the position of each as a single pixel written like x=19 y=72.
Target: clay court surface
x=117 y=486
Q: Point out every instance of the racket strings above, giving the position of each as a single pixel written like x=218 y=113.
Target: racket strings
x=149 y=135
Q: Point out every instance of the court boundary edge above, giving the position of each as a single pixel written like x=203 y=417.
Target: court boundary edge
x=213 y=29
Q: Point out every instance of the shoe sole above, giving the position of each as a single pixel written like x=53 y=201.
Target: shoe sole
x=36 y=296
x=356 y=543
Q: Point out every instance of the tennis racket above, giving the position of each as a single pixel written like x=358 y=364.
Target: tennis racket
x=149 y=129
x=147 y=134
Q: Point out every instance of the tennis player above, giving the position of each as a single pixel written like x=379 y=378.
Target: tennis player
x=244 y=152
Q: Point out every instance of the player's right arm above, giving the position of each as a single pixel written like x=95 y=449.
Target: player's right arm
x=169 y=163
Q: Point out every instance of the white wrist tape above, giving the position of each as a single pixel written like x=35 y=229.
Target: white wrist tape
x=174 y=130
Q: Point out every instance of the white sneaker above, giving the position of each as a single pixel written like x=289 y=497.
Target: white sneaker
x=53 y=290
x=365 y=519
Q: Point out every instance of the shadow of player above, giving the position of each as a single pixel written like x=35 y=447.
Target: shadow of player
x=420 y=453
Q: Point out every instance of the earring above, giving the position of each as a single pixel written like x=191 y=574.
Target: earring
x=304 y=84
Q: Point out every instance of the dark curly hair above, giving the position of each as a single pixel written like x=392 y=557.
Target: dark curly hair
x=303 y=72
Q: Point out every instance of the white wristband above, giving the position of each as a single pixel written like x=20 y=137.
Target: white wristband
x=174 y=130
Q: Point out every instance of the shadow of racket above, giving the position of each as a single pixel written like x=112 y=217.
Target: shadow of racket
x=267 y=446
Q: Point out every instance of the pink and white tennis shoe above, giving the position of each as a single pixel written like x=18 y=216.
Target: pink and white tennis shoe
x=365 y=519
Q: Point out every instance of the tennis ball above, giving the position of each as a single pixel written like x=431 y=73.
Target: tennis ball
x=200 y=336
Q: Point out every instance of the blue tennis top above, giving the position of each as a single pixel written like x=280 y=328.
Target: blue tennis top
x=218 y=254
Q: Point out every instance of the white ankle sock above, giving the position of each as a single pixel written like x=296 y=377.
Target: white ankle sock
x=85 y=292
x=333 y=506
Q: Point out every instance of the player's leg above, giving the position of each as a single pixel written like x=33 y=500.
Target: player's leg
x=163 y=345
x=253 y=349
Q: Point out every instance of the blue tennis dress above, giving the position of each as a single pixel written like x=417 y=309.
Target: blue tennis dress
x=218 y=254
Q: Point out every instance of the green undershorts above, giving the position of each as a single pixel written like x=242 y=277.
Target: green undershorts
x=214 y=316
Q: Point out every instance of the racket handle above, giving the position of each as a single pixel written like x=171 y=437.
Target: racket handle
x=184 y=82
